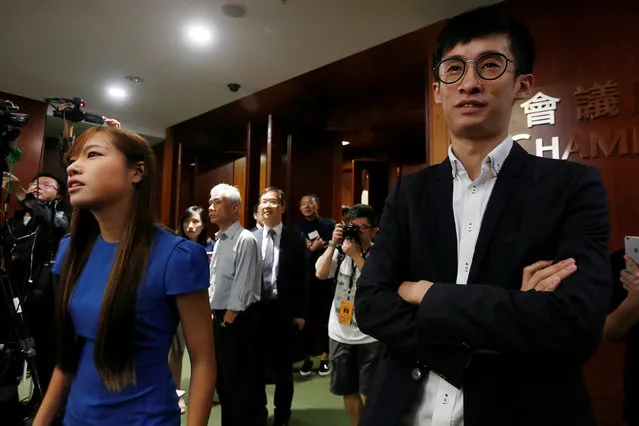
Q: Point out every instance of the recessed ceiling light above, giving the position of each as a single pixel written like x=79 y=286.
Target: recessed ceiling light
x=234 y=10
x=117 y=93
x=134 y=79
x=344 y=143
x=199 y=35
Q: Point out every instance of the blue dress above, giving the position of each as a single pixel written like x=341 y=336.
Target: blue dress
x=176 y=266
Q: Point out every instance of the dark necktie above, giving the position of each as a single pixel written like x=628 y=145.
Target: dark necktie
x=267 y=265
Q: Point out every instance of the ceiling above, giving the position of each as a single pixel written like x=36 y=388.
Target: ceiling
x=73 y=48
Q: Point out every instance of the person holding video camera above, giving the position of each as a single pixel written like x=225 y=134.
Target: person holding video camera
x=67 y=137
x=354 y=354
x=30 y=241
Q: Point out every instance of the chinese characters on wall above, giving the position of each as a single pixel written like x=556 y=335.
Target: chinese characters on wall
x=592 y=103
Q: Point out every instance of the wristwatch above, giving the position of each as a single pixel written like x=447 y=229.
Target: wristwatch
x=332 y=244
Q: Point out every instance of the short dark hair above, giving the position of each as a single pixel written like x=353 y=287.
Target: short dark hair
x=61 y=186
x=486 y=21
x=345 y=210
x=280 y=194
x=365 y=211
x=255 y=206
x=313 y=196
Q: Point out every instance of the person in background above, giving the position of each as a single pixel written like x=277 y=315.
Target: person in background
x=345 y=210
x=284 y=300
x=234 y=293
x=125 y=283
x=257 y=215
x=193 y=228
x=316 y=231
x=354 y=354
x=622 y=325
x=30 y=241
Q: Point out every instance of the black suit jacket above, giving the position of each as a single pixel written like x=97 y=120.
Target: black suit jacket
x=540 y=209
x=292 y=273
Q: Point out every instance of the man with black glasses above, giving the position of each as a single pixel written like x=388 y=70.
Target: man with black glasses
x=467 y=344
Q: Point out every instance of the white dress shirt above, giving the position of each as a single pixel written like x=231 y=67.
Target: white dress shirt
x=276 y=251
x=442 y=404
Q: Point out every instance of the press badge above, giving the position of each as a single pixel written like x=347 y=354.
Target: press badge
x=346 y=312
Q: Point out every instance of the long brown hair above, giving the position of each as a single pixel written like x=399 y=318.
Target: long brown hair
x=113 y=352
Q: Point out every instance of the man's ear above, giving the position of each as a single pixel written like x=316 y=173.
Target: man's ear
x=525 y=84
x=437 y=92
x=138 y=172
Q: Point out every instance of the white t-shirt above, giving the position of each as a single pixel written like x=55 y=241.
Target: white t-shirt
x=345 y=290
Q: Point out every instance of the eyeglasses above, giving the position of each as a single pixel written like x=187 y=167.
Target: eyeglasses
x=490 y=66
x=363 y=227
x=43 y=185
x=270 y=203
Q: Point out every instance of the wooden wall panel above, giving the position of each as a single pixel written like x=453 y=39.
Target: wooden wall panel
x=598 y=44
x=168 y=190
x=239 y=180
x=30 y=141
x=316 y=167
x=253 y=174
x=347 y=186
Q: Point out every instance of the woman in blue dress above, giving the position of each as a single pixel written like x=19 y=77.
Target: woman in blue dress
x=124 y=285
x=192 y=227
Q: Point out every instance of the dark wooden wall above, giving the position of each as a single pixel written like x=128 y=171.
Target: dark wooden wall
x=593 y=43
x=30 y=141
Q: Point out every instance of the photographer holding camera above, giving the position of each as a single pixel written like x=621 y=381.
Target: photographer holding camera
x=31 y=238
x=353 y=353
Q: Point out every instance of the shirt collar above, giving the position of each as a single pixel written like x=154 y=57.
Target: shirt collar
x=494 y=161
x=277 y=229
x=230 y=232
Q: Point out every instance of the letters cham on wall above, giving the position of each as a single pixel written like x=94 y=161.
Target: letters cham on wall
x=589 y=124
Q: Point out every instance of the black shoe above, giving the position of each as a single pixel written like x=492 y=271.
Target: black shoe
x=324 y=368
x=307 y=368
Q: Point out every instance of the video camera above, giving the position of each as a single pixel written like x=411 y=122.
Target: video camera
x=11 y=121
x=75 y=113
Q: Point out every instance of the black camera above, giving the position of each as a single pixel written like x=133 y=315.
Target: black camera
x=11 y=121
x=75 y=113
x=351 y=232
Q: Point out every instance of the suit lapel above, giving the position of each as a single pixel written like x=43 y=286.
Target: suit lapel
x=283 y=251
x=508 y=181
x=442 y=199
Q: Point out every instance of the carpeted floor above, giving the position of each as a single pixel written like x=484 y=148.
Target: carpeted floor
x=313 y=403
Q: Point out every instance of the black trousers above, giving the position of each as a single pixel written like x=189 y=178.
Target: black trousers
x=314 y=337
x=240 y=378
x=277 y=348
x=41 y=324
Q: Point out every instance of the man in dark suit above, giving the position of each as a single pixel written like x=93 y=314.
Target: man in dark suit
x=284 y=301
x=443 y=286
